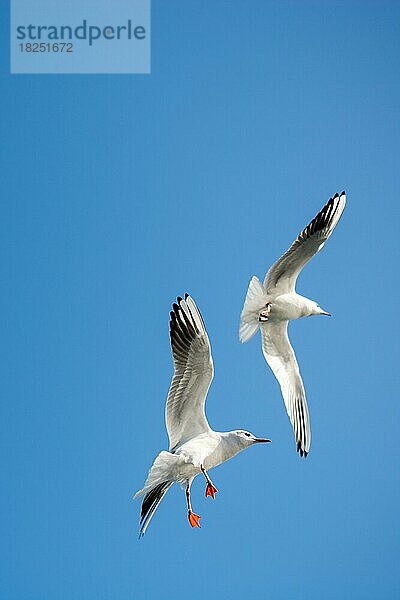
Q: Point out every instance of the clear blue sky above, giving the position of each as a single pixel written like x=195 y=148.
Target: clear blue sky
x=120 y=192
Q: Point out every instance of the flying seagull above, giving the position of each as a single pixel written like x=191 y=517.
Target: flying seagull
x=270 y=305
x=194 y=447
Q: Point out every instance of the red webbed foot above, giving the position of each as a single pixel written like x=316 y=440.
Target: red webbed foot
x=211 y=490
x=194 y=519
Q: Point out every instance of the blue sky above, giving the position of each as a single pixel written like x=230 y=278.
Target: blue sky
x=121 y=192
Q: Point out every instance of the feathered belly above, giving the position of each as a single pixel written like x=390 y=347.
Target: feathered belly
x=184 y=470
x=199 y=451
x=285 y=307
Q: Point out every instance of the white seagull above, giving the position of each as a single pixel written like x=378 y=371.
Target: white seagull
x=193 y=446
x=269 y=306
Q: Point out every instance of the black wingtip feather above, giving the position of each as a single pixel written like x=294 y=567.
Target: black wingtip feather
x=181 y=326
x=150 y=504
x=187 y=323
x=301 y=451
x=322 y=219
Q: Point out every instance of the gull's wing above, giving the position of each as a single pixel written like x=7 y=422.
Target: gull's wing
x=283 y=274
x=281 y=358
x=184 y=414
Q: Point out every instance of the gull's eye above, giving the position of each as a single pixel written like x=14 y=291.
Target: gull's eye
x=245 y=433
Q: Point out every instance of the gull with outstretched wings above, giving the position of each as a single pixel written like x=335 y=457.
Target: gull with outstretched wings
x=193 y=446
x=269 y=306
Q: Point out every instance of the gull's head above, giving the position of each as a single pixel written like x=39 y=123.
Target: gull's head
x=317 y=310
x=245 y=438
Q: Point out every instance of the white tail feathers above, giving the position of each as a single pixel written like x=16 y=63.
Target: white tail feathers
x=249 y=318
x=246 y=331
x=161 y=471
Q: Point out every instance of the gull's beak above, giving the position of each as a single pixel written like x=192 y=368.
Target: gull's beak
x=260 y=440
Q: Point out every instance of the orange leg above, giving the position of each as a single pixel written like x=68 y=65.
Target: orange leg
x=211 y=490
x=194 y=519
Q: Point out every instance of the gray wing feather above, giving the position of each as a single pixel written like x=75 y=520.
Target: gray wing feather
x=282 y=276
x=185 y=414
x=281 y=358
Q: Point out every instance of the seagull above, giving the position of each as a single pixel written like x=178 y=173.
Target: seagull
x=269 y=306
x=193 y=446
